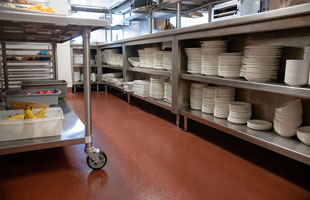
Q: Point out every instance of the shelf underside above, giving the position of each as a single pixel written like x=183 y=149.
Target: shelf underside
x=113 y=67
x=150 y=71
x=289 y=147
x=279 y=88
x=159 y=103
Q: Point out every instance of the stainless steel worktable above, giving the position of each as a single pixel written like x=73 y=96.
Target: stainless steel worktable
x=73 y=132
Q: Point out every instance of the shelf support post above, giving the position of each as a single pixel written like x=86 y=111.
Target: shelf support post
x=5 y=65
x=150 y=21
x=54 y=52
x=87 y=87
x=185 y=124
x=179 y=15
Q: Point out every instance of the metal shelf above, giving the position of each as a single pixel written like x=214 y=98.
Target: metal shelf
x=279 y=88
x=29 y=61
x=150 y=71
x=112 y=67
x=156 y=102
x=23 y=55
x=81 y=65
x=73 y=132
x=119 y=88
x=289 y=147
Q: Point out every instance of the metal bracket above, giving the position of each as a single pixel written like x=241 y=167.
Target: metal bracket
x=93 y=153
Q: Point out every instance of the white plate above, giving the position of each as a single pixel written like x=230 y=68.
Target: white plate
x=257 y=124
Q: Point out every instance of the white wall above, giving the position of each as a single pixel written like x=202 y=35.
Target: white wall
x=63 y=50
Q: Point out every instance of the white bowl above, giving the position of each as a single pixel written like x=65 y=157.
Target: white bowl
x=303 y=134
x=290 y=107
x=284 y=131
x=134 y=61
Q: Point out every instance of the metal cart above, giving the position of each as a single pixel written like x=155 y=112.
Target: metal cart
x=53 y=28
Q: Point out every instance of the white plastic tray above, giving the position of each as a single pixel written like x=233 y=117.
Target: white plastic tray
x=31 y=128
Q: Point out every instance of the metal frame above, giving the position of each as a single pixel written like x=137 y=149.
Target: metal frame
x=289 y=20
x=57 y=29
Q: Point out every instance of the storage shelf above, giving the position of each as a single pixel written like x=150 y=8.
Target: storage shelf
x=29 y=61
x=159 y=103
x=73 y=131
x=23 y=55
x=19 y=49
x=113 y=67
x=279 y=88
x=80 y=65
x=150 y=71
x=119 y=88
x=268 y=139
x=82 y=83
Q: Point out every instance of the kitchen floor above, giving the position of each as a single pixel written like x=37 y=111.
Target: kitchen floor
x=150 y=158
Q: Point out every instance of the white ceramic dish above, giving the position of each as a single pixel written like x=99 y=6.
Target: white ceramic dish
x=284 y=131
x=260 y=125
x=303 y=134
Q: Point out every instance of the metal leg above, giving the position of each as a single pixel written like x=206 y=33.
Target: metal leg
x=128 y=98
x=178 y=120
x=97 y=87
x=185 y=124
x=96 y=159
x=74 y=89
x=106 y=88
x=179 y=15
x=55 y=69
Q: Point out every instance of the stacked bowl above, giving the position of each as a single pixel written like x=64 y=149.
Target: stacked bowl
x=196 y=96
x=239 y=112
x=167 y=60
x=157 y=88
x=142 y=58
x=288 y=117
x=261 y=63
x=210 y=50
x=303 y=134
x=168 y=92
x=296 y=72
x=141 y=88
x=208 y=99
x=223 y=97
x=107 y=56
x=193 y=60
x=229 y=64
x=159 y=60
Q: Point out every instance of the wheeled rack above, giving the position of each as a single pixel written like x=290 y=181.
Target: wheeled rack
x=53 y=28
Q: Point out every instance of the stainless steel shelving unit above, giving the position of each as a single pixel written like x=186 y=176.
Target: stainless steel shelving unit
x=112 y=67
x=79 y=67
x=53 y=28
x=288 y=27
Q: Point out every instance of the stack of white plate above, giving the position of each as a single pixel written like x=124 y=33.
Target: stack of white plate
x=157 y=88
x=115 y=81
x=296 y=72
x=193 y=60
x=112 y=75
x=196 y=96
x=150 y=53
x=108 y=56
x=261 y=63
x=168 y=92
x=288 y=117
x=223 y=97
x=78 y=58
x=134 y=61
x=142 y=58
x=258 y=124
x=230 y=64
x=239 y=112
x=208 y=99
x=141 y=88
x=128 y=86
x=167 y=60
x=159 y=60
x=210 y=50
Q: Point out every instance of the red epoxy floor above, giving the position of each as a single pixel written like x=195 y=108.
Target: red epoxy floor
x=150 y=158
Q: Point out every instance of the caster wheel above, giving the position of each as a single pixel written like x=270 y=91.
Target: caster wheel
x=97 y=165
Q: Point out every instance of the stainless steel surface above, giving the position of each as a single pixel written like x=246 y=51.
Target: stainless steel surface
x=176 y=49
x=289 y=147
x=300 y=10
x=179 y=9
x=42 y=27
x=87 y=86
x=4 y=66
x=279 y=88
x=159 y=103
x=73 y=131
x=150 y=21
x=150 y=71
x=55 y=68
x=112 y=67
